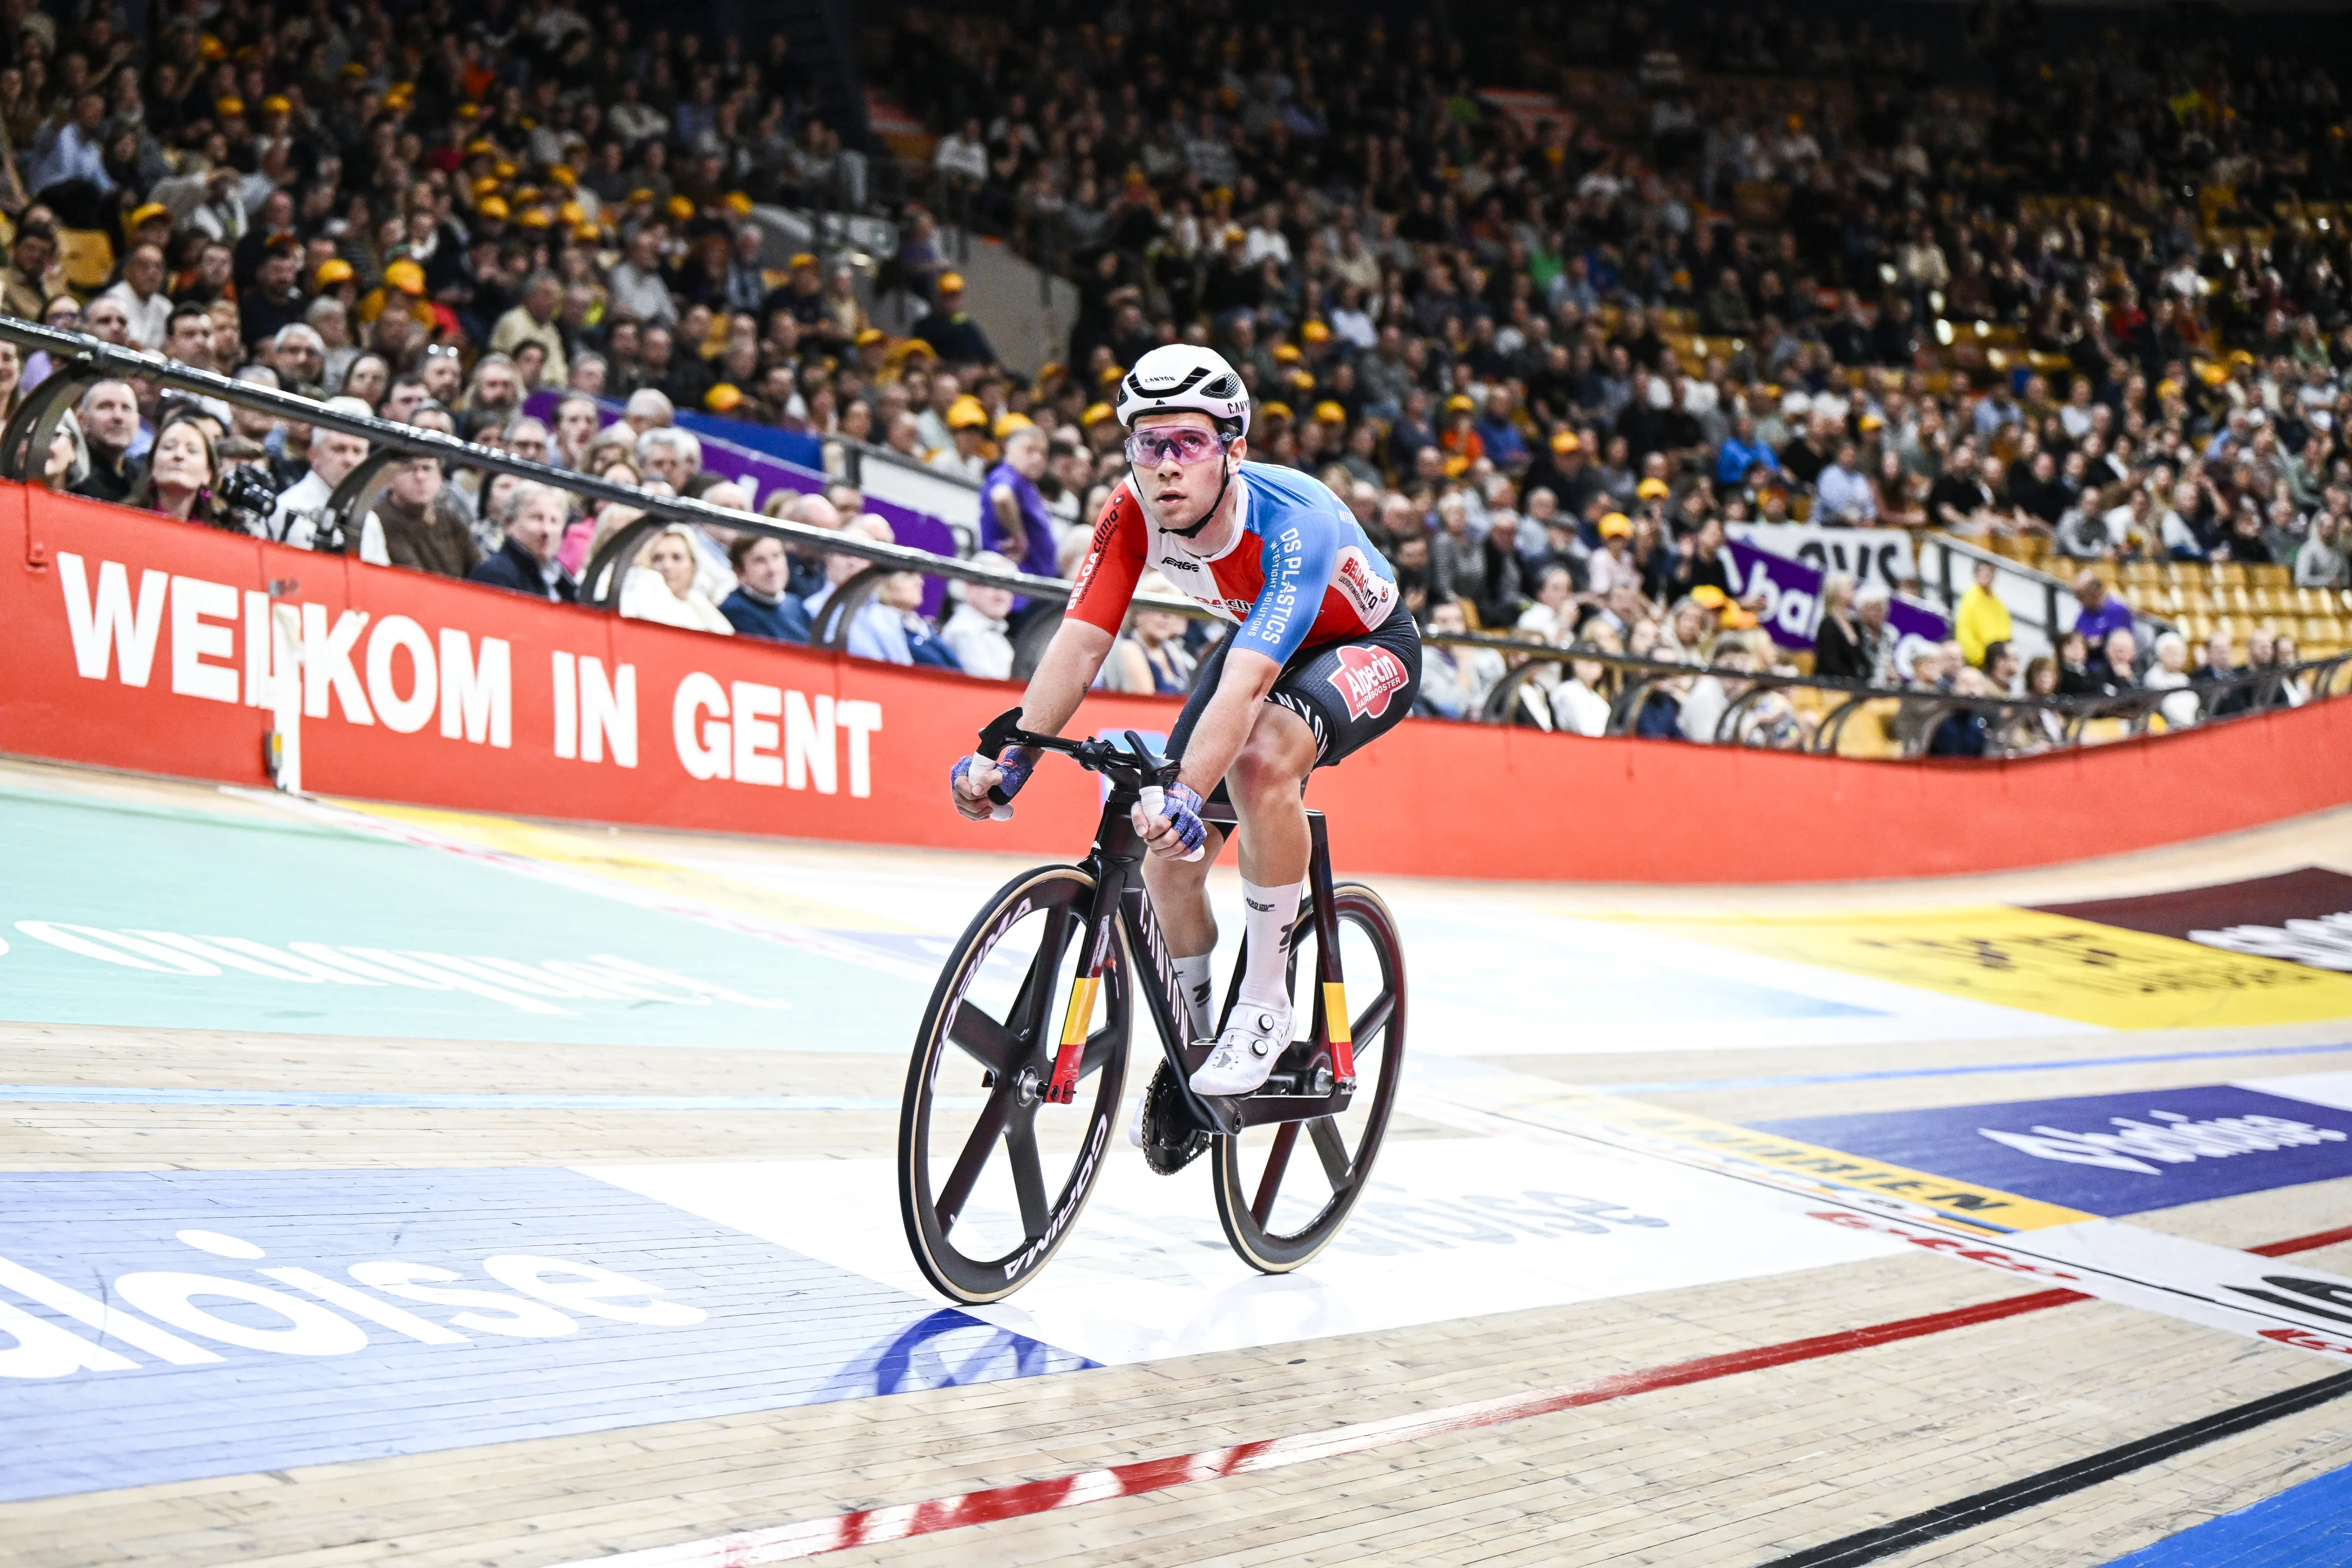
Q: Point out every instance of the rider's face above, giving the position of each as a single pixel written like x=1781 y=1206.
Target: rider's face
x=1179 y=495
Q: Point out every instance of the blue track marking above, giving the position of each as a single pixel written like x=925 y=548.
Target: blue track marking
x=637 y=1312
x=1794 y=1081
x=2106 y=1153
x=2306 y=1526
x=356 y=1100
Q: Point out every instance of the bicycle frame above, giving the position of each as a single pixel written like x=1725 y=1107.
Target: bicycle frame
x=1316 y=1076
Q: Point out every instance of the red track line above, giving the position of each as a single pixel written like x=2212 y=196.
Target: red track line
x=868 y=1527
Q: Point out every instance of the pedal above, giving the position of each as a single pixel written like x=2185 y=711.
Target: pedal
x=1170 y=1140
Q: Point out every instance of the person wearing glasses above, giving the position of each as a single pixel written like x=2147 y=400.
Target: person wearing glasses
x=1323 y=658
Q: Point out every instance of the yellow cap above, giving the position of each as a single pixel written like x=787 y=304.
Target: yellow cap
x=642 y=194
x=1008 y=422
x=1651 y=490
x=406 y=276
x=1459 y=404
x=332 y=271
x=1872 y=422
x=1565 y=441
x=1286 y=354
x=563 y=174
x=1616 y=525
x=738 y=202
x=151 y=211
x=485 y=185
x=1331 y=413
x=1050 y=371
x=1096 y=414
x=480 y=147
x=723 y=397
x=229 y=105
x=469 y=112
x=504 y=169
x=966 y=414
x=803 y=258
x=1276 y=409
x=950 y=283
x=1109 y=374
x=1708 y=596
x=871 y=336
x=1736 y=619
x=277 y=103
x=573 y=213
x=1315 y=332
x=210 y=47
x=679 y=207
x=587 y=233
x=491 y=206
x=536 y=217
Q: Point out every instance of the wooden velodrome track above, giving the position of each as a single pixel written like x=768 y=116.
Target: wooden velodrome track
x=1570 y=1330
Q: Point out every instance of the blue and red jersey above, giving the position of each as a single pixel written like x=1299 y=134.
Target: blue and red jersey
x=1300 y=573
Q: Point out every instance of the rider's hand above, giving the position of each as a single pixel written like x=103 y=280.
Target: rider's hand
x=1176 y=832
x=970 y=779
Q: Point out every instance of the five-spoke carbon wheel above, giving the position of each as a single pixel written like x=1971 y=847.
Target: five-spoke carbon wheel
x=991 y=1176
x=1280 y=1208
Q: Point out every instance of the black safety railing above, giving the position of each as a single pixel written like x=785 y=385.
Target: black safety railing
x=78 y=361
x=2011 y=724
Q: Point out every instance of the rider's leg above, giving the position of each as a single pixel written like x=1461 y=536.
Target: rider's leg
x=1179 y=902
x=1266 y=783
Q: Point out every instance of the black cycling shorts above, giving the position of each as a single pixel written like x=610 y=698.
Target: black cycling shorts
x=1350 y=692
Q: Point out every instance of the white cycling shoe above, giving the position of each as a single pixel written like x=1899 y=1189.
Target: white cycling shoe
x=1252 y=1041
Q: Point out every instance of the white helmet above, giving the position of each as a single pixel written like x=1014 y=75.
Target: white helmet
x=1183 y=376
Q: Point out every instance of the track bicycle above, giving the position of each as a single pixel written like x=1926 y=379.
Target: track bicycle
x=1035 y=1007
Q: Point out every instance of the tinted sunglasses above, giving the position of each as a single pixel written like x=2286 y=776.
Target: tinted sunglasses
x=1149 y=448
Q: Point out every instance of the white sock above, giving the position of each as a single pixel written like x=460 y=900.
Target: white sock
x=1267 y=914
x=1192 y=977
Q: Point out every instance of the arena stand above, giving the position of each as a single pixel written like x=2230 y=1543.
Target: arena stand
x=1681 y=352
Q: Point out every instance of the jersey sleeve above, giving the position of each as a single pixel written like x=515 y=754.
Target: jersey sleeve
x=1113 y=565
x=1300 y=551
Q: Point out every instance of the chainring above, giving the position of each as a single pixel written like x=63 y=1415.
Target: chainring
x=1170 y=1138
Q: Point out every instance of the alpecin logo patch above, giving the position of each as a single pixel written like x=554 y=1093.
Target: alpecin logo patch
x=1367 y=678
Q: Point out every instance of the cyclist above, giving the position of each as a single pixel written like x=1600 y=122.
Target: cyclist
x=1323 y=658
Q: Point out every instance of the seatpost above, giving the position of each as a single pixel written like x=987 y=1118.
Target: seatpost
x=1332 y=1023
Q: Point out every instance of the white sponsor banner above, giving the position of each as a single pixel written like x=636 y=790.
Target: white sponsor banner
x=1873 y=556
x=1451 y=1227
x=2218 y=1287
x=2331 y=1089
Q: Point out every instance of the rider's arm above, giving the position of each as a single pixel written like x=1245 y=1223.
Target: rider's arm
x=1225 y=723
x=1063 y=676
x=1298 y=556
x=1098 y=598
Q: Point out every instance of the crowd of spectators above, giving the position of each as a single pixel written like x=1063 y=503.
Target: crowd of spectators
x=1546 y=347
x=2085 y=309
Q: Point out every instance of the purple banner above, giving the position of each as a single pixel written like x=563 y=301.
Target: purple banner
x=1791 y=592
x=765 y=475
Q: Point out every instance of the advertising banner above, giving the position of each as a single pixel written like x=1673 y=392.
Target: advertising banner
x=147 y=644
x=1792 y=602
x=1880 y=556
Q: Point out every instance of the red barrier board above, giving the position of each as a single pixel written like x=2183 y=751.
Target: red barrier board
x=138 y=643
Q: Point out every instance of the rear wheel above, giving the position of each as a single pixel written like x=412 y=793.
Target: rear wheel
x=1282 y=1204
x=991 y=1175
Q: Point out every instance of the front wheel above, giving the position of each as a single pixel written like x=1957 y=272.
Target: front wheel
x=1279 y=1211
x=990 y=1181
